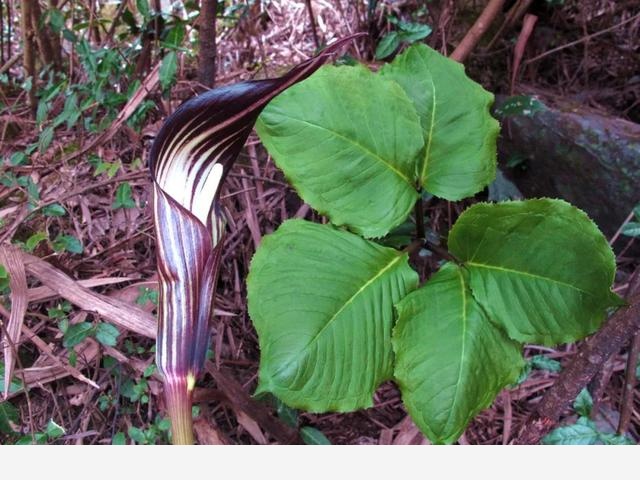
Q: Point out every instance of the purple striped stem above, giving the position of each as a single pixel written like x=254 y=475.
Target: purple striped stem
x=190 y=158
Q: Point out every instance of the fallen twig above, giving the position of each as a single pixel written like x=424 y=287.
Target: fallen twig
x=478 y=29
x=10 y=258
x=244 y=403
x=588 y=361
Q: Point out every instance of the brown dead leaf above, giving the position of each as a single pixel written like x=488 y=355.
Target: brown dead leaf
x=116 y=311
x=207 y=433
x=409 y=434
x=11 y=258
x=251 y=426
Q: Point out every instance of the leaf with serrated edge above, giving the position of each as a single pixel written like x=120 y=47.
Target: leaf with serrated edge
x=451 y=361
x=459 y=157
x=347 y=140
x=321 y=300
x=541 y=268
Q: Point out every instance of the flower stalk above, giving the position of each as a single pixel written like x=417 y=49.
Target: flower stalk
x=189 y=160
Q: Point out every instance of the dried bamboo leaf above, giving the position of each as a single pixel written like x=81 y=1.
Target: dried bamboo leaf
x=116 y=311
x=10 y=257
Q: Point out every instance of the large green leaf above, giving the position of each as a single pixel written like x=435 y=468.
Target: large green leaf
x=540 y=268
x=321 y=300
x=451 y=361
x=459 y=157
x=347 y=140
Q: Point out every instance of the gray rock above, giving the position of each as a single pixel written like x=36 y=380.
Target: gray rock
x=574 y=153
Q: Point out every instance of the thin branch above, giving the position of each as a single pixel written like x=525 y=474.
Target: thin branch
x=312 y=20
x=419 y=213
x=590 y=358
x=629 y=385
x=478 y=29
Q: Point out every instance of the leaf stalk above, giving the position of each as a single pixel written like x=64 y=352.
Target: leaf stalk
x=178 y=394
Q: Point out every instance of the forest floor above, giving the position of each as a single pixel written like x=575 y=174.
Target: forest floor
x=82 y=212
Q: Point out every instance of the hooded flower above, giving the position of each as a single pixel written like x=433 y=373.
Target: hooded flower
x=190 y=158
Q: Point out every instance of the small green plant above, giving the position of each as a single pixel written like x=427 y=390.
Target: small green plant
x=158 y=431
x=585 y=431
x=337 y=313
x=52 y=432
x=74 y=334
x=404 y=32
x=632 y=229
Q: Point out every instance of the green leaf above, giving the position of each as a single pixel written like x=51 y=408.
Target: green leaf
x=71 y=112
x=33 y=241
x=124 y=197
x=46 y=137
x=459 y=156
x=76 y=333
x=168 y=70
x=8 y=415
x=175 y=36
x=150 y=370
x=143 y=8
x=451 y=361
x=32 y=189
x=540 y=268
x=107 y=334
x=387 y=45
x=342 y=137
x=612 y=439
x=542 y=362
x=321 y=300
x=69 y=35
x=37 y=438
x=147 y=295
x=54 y=430
x=67 y=242
x=412 y=32
x=583 y=403
x=119 y=439
x=56 y=20
x=54 y=210
x=287 y=414
x=583 y=432
x=42 y=111
x=313 y=436
x=631 y=229
x=73 y=358
x=15 y=384
x=137 y=435
x=110 y=168
x=18 y=158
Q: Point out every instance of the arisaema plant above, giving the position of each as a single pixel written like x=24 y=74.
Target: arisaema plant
x=189 y=160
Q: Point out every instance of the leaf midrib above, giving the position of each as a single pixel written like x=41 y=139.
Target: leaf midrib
x=423 y=173
x=357 y=145
x=462 y=349
x=348 y=302
x=526 y=274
